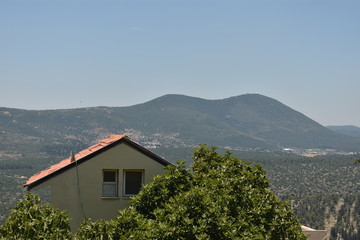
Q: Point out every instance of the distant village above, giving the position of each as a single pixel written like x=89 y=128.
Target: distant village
x=160 y=140
x=313 y=152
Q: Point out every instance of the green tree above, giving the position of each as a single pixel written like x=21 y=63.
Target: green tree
x=32 y=220
x=221 y=198
x=99 y=230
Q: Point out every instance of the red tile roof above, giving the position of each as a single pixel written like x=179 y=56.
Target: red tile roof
x=66 y=162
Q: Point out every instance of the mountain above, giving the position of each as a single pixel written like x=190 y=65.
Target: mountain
x=347 y=130
x=245 y=121
x=249 y=120
x=32 y=140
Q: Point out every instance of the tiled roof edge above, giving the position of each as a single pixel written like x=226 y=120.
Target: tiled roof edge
x=89 y=153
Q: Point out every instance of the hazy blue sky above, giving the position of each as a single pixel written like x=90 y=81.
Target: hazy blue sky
x=73 y=53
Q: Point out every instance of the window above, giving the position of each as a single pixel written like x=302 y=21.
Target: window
x=133 y=179
x=110 y=186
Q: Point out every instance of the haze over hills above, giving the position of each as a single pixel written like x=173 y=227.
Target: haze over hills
x=348 y=130
x=246 y=121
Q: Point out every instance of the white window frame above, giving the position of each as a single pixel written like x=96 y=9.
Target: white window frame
x=142 y=171
x=115 y=184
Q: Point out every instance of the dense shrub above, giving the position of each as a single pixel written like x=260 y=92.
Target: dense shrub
x=32 y=220
x=221 y=198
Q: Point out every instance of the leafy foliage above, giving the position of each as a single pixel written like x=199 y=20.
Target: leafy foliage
x=315 y=184
x=32 y=220
x=100 y=230
x=222 y=198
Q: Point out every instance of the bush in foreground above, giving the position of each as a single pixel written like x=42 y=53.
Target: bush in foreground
x=221 y=198
x=32 y=220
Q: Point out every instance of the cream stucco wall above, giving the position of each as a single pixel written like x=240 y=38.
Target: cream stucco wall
x=78 y=190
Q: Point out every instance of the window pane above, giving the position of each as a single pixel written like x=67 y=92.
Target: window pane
x=110 y=185
x=109 y=190
x=133 y=181
x=109 y=176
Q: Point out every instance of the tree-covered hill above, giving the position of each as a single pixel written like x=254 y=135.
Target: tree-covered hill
x=253 y=126
x=249 y=120
x=246 y=121
x=348 y=130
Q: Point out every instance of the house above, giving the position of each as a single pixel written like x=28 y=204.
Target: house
x=98 y=181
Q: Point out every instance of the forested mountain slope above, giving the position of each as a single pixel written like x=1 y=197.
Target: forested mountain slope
x=348 y=130
x=253 y=126
x=246 y=121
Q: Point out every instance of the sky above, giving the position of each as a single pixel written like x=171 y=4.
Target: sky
x=58 y=54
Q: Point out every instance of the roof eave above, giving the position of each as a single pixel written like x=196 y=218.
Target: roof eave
x=125 y=140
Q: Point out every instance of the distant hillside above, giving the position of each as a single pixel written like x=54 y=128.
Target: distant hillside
x=246 y=121
x=348 y=130
x=172 y=124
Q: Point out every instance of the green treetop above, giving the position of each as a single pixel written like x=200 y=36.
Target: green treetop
x=221 y=198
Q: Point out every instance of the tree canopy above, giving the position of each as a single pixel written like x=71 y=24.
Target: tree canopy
x=220 y=197
x=31 y=219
